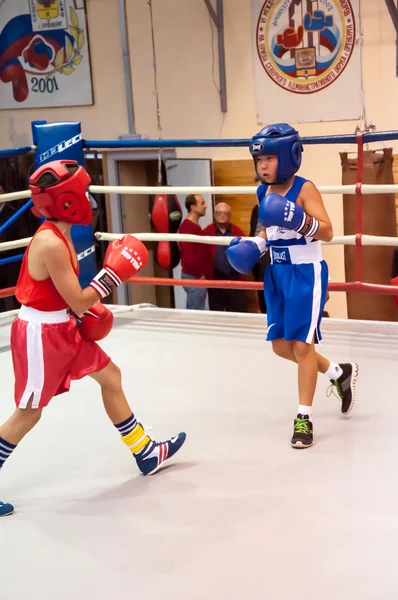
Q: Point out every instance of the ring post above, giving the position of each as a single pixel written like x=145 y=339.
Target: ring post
x=58 y=141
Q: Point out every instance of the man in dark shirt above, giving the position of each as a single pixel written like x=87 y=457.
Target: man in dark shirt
x=193 y=255
x=224 y=299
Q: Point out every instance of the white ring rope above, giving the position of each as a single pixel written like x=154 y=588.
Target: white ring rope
x=236 y=190
x=15 y=244
x=347 y=240
x=338 y=240
x=15 y=196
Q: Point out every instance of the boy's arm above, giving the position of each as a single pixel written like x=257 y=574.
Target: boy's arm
x=57 y=262
x=123 y=258
x=263 y=233
x=313 y=206
x=260 y=192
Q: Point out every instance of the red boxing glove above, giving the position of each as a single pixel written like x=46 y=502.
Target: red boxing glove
x=123 y=259
x=96 y=323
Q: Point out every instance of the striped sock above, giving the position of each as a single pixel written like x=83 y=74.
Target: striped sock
x=133 y=434
x=6 y=449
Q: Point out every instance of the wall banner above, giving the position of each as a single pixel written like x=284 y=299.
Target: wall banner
x=307 y=60
x=44 y=55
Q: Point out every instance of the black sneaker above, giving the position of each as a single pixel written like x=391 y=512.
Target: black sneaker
x=303 y=432
x=345 y=386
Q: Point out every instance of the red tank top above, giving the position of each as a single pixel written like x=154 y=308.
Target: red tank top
x=41 y=295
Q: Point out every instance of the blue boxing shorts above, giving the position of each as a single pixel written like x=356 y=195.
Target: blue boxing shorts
x=295 y=295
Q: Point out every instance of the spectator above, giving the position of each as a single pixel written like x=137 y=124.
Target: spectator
x=224 y=299
x=193 y=255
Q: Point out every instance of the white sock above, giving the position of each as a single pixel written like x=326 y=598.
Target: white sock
x=304 y=410
x=334 y=371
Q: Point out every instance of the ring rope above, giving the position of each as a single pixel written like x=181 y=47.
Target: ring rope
x=351 y=190
x=350 y=138
x=349 y=240
x=22 y=243
x=338 y=240
x=350 y=286
x=379 y=136
x=10 y=152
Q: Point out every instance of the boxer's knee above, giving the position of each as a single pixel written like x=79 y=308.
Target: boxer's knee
x=302 y=350
x=114 y=376
x=283 y=348
x=28 y=417
x=110 y=378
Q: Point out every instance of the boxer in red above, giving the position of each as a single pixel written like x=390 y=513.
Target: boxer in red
x=49 y=349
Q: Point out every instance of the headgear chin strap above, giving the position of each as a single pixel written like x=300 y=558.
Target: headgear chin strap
x=279 y=140
x=59 y=192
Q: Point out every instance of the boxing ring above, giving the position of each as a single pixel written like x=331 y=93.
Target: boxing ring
x=238 y=512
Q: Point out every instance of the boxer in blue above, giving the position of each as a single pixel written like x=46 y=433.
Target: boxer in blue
x=294 y=222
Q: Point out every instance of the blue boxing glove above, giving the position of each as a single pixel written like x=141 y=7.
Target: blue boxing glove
x=243 y=254
x=277 y=210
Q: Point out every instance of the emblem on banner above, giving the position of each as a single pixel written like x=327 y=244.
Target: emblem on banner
x=41 y=42
x=45 y=11
x=305 y=45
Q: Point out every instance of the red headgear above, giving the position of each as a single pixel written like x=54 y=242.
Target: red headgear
x=59 y=192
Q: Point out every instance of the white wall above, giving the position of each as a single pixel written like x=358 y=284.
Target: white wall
x=189 y=102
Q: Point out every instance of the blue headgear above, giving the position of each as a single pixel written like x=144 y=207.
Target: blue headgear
x=280 y=140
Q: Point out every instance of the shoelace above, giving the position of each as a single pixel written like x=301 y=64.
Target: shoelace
x=301 y=425
x=331 y=391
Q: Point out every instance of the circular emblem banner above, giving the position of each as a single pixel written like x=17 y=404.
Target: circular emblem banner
x=305 y=45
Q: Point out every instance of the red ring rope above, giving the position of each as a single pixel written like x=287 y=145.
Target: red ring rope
x=6 y=292
x=351 y=286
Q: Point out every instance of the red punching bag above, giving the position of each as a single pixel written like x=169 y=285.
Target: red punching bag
x=166 y=217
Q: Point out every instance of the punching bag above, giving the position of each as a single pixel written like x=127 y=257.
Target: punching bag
x=379 y=218
x=166 y=217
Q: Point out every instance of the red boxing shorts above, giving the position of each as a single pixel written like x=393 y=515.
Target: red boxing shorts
x=48 y=352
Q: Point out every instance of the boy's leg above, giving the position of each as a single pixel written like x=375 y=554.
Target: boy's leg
x=304 y=289
x=149 y=454
x=115 y=402
x=342 y=376
x=284 y=349
x=305 y=357
x=307 y=363
x=19 y=424
x=307 y=374
x=11 y=433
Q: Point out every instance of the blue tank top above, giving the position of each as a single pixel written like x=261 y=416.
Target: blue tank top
x=279 y=237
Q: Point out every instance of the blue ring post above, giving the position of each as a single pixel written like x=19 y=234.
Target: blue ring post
x=57 y=141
